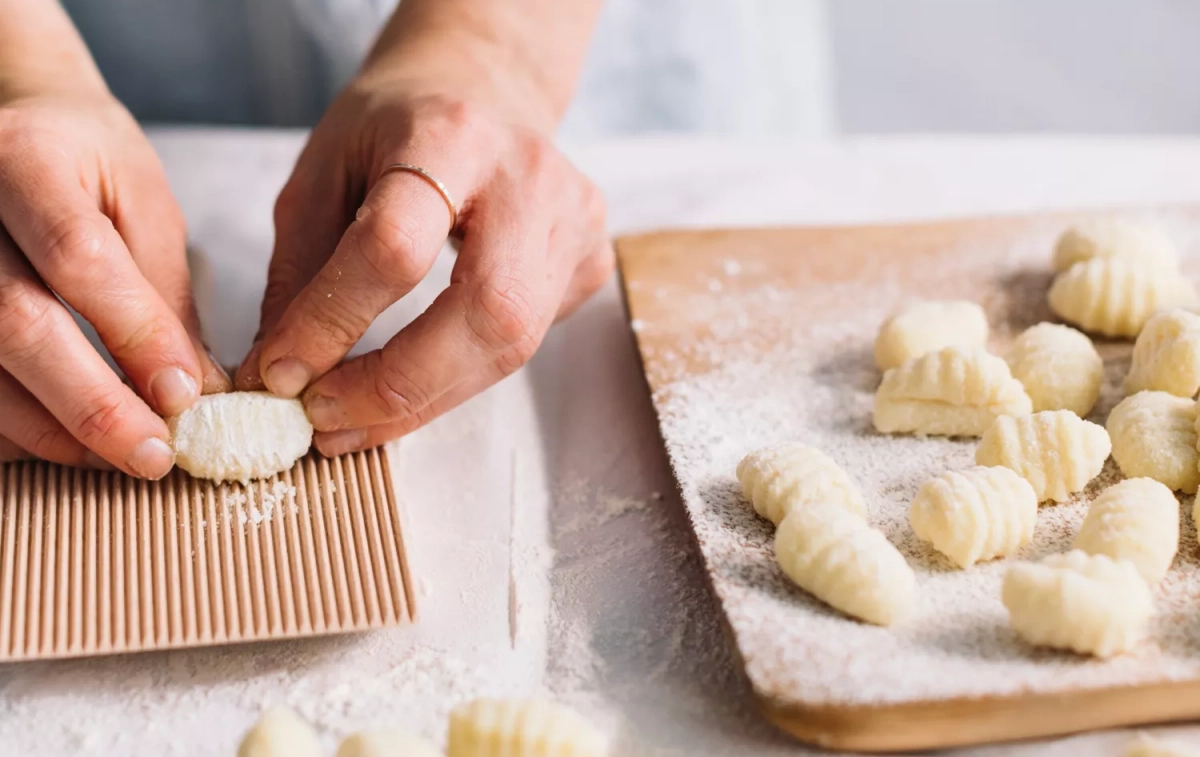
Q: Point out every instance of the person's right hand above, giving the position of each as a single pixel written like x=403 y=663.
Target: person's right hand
x=86 y=214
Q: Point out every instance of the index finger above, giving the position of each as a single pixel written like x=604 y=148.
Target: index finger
x=388 y=249
x=492 y=316
x=77 y=251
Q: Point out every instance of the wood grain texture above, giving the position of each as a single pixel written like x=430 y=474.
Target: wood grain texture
x=98 y=563
x=662 y=270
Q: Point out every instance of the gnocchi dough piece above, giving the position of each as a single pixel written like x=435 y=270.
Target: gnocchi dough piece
x=1147 y=746
x=279 y=732
x=1125 y=238
x=1059 y=368
x=1166 y=356
x=929 y=325
x=386 y=744
x=1116 y=297
x=976 y=514
x=781 y=478
x=1136 y=520
x=1090 y=604
x=839 y=559
x=954 y=391
x=240 y=436
x=1154 y=435
x=1055 y=450
x=521 y=728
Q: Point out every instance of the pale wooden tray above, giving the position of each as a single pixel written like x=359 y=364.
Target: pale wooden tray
x=750 y=337
x=98 y=563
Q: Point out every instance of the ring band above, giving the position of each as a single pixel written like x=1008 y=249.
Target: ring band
x=429 y=179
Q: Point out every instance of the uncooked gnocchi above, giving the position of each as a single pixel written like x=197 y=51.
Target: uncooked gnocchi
x=975 y=514
x=1055 y=450
x=1166 y=356
x=1059 y=368
x=1116 y=297
x=521 y=728
x=926 y=326
x=954 y=391
x=279 y=732
x=1154 y=435
x=240 y=436
x=1125 y=238
x=780 y=478
x=386 y=744
x=1090 y=604
x=1135 y=520
x=1148 y=746
x=839 y=559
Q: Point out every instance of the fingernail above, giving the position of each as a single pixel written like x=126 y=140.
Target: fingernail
x=212 y=359
x=247 y=378
x=323 y=413
x=92 y=460
x=151 y=459
x=334 y=443
x=287 y=377
x=173 y=390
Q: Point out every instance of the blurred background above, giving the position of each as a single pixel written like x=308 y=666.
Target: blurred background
x=716 y=67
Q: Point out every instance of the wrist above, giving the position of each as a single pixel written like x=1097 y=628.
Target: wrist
x=468 y=67
x=41 y=53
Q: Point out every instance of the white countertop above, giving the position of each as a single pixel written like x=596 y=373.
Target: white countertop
x=551 y=552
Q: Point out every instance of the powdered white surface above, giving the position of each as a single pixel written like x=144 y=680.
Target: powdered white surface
x=552 y=553
x=817 y=387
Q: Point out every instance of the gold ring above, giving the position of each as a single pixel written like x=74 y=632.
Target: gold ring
x=439 y=186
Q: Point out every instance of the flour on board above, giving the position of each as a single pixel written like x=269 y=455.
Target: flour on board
x=815 y=384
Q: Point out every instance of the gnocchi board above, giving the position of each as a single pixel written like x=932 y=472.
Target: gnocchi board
x=757 y=336
x=99 y=563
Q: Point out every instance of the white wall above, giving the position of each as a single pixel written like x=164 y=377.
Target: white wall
x=1110 y=66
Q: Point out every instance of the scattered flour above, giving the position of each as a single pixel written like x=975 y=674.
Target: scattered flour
x=811 y=378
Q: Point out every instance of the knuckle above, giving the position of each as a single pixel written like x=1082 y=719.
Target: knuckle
x=23 y=314
x=73 y=248
x=95 y=421
x=46 y=442
x=505 y=319
x=389 y=249
x=399 y=391
x=145 y=337
x=336 y=321
x=595 y=207
x=287 y=204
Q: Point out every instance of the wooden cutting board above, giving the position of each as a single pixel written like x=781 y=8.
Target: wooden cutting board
x=751 y=337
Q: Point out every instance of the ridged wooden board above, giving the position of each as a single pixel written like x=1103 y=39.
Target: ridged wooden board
x=702 y=303
x=98 y=563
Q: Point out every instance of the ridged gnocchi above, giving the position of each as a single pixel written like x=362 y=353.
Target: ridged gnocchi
x=975 y=514
x=954 y=391
x=1055 y=450
x=279 y=732
x=240 y=436
x=1114 y=296
x=1124 y=238
x=1090 y=604
x=781 y=478
x=839 y=559
x=1136 y=520
x=386 y=744
x=926 y=326
x=1148 y=746
x=521 y=728
x=1059 y=368
x=1154 y=435
x=1166 y=356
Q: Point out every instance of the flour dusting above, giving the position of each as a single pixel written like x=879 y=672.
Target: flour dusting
x=812 y=380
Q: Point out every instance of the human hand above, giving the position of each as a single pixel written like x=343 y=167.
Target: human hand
x=87 y=215
x=352 y=239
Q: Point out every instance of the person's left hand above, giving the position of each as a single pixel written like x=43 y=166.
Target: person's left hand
x=349 y=244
